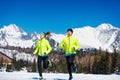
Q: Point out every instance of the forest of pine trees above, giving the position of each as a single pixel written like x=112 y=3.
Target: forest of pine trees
x=95 y=62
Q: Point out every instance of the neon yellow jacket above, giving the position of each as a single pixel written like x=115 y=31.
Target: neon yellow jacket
x=42 y=47
x=70 y=44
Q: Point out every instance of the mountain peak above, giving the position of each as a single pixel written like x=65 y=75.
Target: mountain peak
x=85 y=28
x=105 y=35
x=105 y=26
x=12 y=29
x=13 y=26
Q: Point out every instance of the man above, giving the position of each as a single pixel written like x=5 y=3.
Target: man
x=43 y=49
x=71 y=45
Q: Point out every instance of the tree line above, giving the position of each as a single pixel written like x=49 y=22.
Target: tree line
x=89 y=61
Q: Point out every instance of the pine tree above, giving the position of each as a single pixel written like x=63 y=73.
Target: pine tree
x=19 y=64
x=9 y=68
x=89 y=62
x=14 y=63
x=94 y=67
x=114 y=60
x=99 y=62
x=1 y=61
x=107 y=69
x=34 y=66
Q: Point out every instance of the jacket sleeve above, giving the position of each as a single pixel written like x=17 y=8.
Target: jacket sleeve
x=62 y=44
x=49 y=49
x=77 y=45
x=36 y=49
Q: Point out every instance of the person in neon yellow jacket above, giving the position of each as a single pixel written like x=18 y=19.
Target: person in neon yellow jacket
x=43 y=49
x=71 y=45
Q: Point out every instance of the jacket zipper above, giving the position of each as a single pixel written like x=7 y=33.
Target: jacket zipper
x=69 y=44
x=40 y=47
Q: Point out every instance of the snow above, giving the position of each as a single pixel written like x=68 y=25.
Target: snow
x=57 y=37
x=112 y=39
x=18 y=55
x=86 y=37
x=12 y=30
x=102 y=36
x=53 y=76
x=105 y=26
x=13 y=36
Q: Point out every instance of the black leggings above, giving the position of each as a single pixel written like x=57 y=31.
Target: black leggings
x=70 y=63
x=45 y=64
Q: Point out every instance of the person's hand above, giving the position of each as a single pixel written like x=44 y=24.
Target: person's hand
x=32 y=54
x=64 y=45
x=73 y=48
x=45 y=54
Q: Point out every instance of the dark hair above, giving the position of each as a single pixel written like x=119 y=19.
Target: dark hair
x=47 y=34
x=70 y=30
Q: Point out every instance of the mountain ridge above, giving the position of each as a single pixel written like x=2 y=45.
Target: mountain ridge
x=105 y=36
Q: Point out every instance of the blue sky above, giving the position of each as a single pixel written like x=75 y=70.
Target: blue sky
x=58 y=15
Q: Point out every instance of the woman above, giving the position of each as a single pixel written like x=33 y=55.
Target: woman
x=43 y=49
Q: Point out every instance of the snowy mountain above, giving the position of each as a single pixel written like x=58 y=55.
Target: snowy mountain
x=105 y=35
x=108 y=36
x=15 y=36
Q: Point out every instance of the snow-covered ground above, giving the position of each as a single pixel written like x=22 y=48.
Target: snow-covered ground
x=55 y=76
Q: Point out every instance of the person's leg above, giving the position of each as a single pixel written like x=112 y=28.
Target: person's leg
x=45 y=62
x=39 y=62
x=69 y=65
x=72 y=62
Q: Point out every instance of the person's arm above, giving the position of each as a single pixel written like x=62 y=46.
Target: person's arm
x=49 y=49
x=62 y=44
x=77 y=45
x=36 y=49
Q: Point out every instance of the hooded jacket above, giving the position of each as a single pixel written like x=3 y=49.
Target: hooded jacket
x=70 y=44
x=42 y=47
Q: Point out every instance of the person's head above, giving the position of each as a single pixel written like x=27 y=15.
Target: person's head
x=42 y=35
x=69 y=32
x=48 y=34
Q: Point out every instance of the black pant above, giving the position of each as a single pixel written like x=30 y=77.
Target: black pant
x=45 y=64
x=70 y=63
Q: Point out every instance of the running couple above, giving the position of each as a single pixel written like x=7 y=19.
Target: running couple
x=43 y=48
